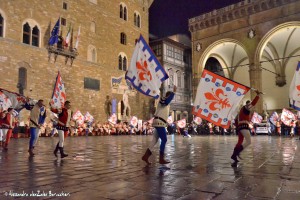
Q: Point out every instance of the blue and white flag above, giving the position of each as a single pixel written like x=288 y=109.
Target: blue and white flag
x=145 y=72
x=54 y=33
x=294 y=96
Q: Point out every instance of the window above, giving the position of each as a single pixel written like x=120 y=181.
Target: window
x=179 y=79
x=93 y=27
x=63 y=21
x=65 y=6
x=123 y=38
x=26 y=33
x=157 y=50
x=1 y=26
x=178 y=54
x=122 y=62
x=92 y=84
x=123 y=12
x=35 y=36
x=22 y=79
x=92 y=54
x=170 y=52
x=137 y=19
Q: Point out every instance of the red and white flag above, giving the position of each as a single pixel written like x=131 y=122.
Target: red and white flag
x=170 y=119
x=113 y=119
x=181 y=123
x=197 y=120
x=5 y=103
x=78 y=117
x=88 y=117
x=218 y=99
x=294 y=95
x=145 y=72
x=287 y=117
x=256 y=118
x=77 y=39
x=17 y=101
x=59 y=95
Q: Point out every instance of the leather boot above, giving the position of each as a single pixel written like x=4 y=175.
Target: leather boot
x=234 y=154
x=30 y=151
x=62 y=154
x=56 y=150
x=162 y=159
x=145 y=157
x=240 y=149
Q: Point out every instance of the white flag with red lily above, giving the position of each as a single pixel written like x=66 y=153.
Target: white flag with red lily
x=5 y=103
x=170 y=119
x=78 y=117
x=197 y=120
x=59 y=95
x=145 y=72
x=294 y=95
x=113 y=119
x=287 y=117
x=274 y=118
x=88 y=117
x=16 y=101
x=134 y=121
x=256 y=118
x=218 y=99
x=181 y=123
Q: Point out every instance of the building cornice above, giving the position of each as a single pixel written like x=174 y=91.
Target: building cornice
x=233 y=12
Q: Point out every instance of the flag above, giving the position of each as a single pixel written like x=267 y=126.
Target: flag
x=54 y=33
x=145 y=72
x=274 y=118
x=134 y=121
x=17 y=101
x=256 y=118
x=170 y=119
x=294 y=95
x=88 y=117
x=287 y=117
x=218 y=98
x=5 y=102
x=78 y=117
x=181 y=123
x=113 y=119
x=197 y=120
x=68 y=37
x=115 y=81
x=77 y=39
x=59 y=94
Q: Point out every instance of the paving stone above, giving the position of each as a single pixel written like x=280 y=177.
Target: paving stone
x=111 y=168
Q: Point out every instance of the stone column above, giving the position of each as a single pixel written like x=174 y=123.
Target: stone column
x=255 y=73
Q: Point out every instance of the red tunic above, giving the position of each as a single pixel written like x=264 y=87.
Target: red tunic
x=244 y=115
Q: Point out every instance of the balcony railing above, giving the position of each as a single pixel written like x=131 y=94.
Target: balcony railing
x=68 y=54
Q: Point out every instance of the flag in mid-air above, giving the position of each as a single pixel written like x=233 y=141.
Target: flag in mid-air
x=256 y=118
x=294 y=95
x=5 y=102
x=88 y=117
x=170 y=119
x=113 y=118
x=145 y=72
x=15 y=100
x=181 y=123
x=287 y=116
x=59 y=94
x=274 y=118
x=78 y=117
x=197 y=120
x=55 y=33
x=218 y=98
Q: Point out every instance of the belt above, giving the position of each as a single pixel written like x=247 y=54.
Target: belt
x=160 y=119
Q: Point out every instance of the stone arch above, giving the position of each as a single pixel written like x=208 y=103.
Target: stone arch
x=32 y=23
x=4 y=21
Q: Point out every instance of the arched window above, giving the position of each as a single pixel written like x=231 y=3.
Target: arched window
x=134 y=19
x=93 y=27
x=26 y=33
x=139 y=21
x=92 y=54
x=179 y=79
x=1 y=26
x=120 y=62
x=123 y=38
x=123 y=11
x=31 y=35
x=35 y=36
x=124 y=63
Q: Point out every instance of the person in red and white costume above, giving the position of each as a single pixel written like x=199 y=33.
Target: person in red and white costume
x=243 y=130
x=7 y=126
x=64 y=118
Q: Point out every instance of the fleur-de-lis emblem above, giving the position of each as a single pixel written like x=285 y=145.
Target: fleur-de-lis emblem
x=217 y=100
x=144 y=73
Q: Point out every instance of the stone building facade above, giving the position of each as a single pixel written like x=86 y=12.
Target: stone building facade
x=175 y=57
x=254 y=42
x=108 y=31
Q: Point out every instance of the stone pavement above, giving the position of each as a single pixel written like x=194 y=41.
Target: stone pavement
x=110 y=167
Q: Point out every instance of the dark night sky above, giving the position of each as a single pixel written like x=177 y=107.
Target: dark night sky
x=169 y=17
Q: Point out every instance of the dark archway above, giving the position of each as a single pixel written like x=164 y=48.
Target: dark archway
x=214 y=65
